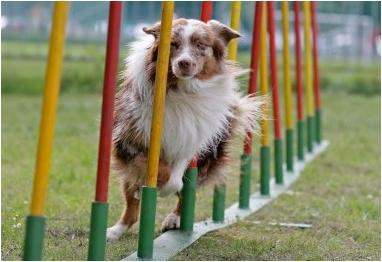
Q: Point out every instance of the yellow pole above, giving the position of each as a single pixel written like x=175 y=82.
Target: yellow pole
x=308 y=60
x=264 y=78
x=235 y=23
x=48 y=114
x=159 y=93
x=308 y=77
x=287 y=80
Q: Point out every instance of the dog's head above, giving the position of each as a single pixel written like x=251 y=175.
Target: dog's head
x=197 y=48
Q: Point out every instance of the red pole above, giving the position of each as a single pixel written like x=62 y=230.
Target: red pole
x=273 y=63
x=255 y=51
x=205 y=15
x=206 y=11
x=111 y=67
x=316 y=76
x=300 y=106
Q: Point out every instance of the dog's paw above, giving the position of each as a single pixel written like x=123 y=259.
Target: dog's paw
x=115 y=232
x=172 y=221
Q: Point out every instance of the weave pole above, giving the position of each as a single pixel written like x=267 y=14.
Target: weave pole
x=299 y=92
x=278 y=151
x=219 y=190
x=99 y=208
x=188 y=194
x=246 y=157
x=35 y=222
x=264 y=124
x=316 y=75
x=287 y=87
x=149 y=192
x=308 y=77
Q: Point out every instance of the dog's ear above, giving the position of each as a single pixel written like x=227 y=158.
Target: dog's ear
x=153 y=30
x=224 y=32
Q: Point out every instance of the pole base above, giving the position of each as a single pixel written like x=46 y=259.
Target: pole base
x=300 y=140
x=34 y=238
x=98 y=226
x=147 y=222
x=309 y=134
x=278 y=143
x=245 y=181
x=219 y=203
x=318 y=126
x=188 y=199
x=264 y=170
x=289 y=150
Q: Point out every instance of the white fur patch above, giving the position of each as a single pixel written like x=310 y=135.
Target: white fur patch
x=115 y=232
x=172 y=221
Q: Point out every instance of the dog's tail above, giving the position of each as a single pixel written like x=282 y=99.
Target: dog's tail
x=248 y=113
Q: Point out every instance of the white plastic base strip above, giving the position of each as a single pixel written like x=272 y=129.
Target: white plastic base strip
x=172 y=242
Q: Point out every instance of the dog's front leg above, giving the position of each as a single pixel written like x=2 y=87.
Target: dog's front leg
x=129 y=215
x=172 y=221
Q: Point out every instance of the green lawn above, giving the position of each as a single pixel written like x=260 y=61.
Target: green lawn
x=338 y=193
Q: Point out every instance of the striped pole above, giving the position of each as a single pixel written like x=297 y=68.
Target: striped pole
x=264 y=150
x=149 y=192
x=219 y=190
x=99 y=208
x=35 y=222
x=316 y=75
x=287 y=86
x=188 y=193
x=246 y=157
x=278 y=153
x=299 y=92
x=308 y=77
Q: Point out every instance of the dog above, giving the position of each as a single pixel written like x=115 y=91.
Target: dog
x=204 y=109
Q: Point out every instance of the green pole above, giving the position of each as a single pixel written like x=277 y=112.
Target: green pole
x=219 y=203
x=188 y=199
x=300 y=140
x=147 y=222
x=289 y=150
x=98 y=225
x=34 y=236
x=245 y=180
x=309 y=133
x=264 y=170
x=318 y=126
x=278 y=143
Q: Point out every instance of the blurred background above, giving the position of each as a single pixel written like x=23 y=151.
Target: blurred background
x=348 y=31
x=340 y=189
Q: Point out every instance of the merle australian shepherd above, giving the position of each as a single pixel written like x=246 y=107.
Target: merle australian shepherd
x=204 y=110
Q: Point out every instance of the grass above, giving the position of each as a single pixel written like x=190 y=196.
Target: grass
x=338 y=193
x=84 y=64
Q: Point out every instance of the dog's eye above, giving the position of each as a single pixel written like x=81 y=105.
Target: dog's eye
x=175 y=45
x=201 y=46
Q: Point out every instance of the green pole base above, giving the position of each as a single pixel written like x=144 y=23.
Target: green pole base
x=34 y=238
x=289 y=150
x=188 y=199
x=278 y=144
x=264 y=170
x=147 y=222
x=219 y=203
x=98 y=225
x=300 y=140
x=309 y=134
x=318 y=126
x=245 y=181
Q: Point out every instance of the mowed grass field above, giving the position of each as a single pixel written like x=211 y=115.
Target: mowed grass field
x=338 y=193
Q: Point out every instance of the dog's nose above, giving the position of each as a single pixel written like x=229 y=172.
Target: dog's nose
x=184 y=64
